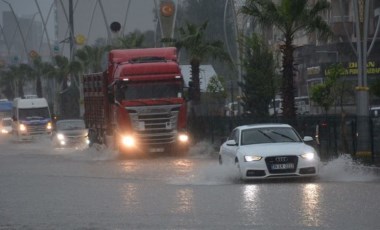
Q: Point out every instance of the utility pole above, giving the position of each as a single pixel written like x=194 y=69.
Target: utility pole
x=361 y=13
x=71 y=26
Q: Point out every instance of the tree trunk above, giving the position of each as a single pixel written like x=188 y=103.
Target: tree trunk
x=289 y=110
x=195 y=78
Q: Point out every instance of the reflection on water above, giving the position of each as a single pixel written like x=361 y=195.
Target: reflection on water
x=311 y=204
x=183 y=165
x=185 y=201
x=250 y=199
x=129 y=194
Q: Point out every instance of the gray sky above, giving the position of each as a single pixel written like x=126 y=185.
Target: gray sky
x=140 y=12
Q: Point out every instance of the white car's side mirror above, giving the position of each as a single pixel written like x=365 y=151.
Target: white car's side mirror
x=231 y=143
x=307 y=138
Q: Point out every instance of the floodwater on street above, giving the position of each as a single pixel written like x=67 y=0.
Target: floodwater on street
x=45 y=188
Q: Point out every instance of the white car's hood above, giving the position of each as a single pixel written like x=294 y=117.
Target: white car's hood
x=276 y=149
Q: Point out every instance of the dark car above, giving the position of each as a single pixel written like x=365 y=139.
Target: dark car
x=70 y=133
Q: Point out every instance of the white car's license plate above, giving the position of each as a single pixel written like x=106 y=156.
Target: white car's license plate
x=283 y=166
x=156 y=150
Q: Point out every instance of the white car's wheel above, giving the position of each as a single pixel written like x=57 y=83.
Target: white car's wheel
x=220 y=160
x=239 y=169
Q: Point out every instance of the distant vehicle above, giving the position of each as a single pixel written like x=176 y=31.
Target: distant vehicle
x=302 y=105
x=269 y=151
x=6 y=125
x=70 y=133
x=31 y=117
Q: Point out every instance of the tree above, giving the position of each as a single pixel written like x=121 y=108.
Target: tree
x=329 y=92
x=192 y=38
x=91 y=57
x=289 y=17
x=259 y=83
x=132 y=40
x=65 y=72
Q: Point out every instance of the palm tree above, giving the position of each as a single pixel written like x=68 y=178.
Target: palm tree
x=91 y=57
x=132 y=40
x=64 y=72
x=290 y=17
x=193 y=39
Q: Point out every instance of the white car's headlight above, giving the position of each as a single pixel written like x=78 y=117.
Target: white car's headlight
x=60 y=136
x=308 y=156
x=252 y=158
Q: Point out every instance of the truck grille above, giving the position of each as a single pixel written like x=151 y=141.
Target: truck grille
x=36 y=129
x=155 y=124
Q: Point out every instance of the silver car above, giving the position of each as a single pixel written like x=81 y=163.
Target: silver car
x=70 y=133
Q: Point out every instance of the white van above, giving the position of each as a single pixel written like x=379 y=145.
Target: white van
x=31 y=117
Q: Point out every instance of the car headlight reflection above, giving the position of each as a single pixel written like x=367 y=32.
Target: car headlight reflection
x=128 y=141
x=308 y=156
x=252 y=158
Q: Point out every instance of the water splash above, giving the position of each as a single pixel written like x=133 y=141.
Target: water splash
x=344 y=168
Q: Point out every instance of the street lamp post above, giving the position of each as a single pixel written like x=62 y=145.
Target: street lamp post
x=19 y=28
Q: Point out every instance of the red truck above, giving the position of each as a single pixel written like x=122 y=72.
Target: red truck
x=139 y=101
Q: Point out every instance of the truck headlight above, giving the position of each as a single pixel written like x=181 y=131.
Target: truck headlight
x=183 y=138
x=49 y=126
x=128 y=141
x=22 y=127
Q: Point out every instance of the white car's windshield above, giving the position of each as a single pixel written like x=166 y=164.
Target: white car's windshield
x=70 y=125
x=269 y=135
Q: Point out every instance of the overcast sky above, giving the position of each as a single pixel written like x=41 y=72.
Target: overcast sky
x=140 y=12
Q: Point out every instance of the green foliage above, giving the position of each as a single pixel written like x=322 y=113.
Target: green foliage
x=290 y=17
x=327 y=93
x=193 y=39
x=132 y=40
x=259 y=85
x=216 y=86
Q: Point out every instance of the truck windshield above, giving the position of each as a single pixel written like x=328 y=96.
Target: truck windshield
x=152 y=90
x=33 y=113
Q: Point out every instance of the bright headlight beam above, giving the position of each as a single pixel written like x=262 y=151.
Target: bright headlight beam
x=183 y=138
x=128 y=141
x=60 y=136
x=252 y=158
x=22 y=127
x=308 y=156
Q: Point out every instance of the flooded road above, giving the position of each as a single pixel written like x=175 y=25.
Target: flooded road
x=46 y=188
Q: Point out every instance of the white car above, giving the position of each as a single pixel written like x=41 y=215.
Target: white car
x=269 y=151
x=70 y=133
x=6 y=125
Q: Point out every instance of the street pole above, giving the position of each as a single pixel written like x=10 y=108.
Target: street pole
x=19 y=28
x=361 y=13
